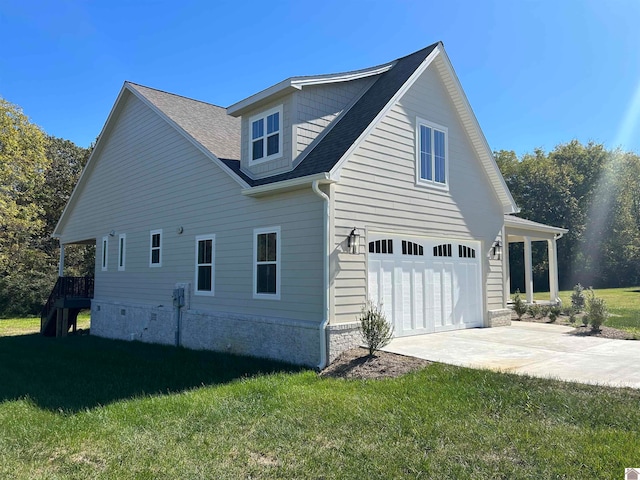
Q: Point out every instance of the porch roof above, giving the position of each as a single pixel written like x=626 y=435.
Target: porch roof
x=517 y=228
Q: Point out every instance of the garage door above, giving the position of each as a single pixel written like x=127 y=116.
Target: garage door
x=426 y=285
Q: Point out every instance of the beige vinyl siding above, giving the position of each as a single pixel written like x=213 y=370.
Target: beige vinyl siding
x=318 y=105
x=278 y=165
x=377 y=192
x=148 y=177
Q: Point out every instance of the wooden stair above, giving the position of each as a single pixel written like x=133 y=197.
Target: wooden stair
x=69 y=296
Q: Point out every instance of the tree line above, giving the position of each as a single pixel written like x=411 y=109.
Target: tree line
x=592 y=191
x=595 y=194
x=37 y=175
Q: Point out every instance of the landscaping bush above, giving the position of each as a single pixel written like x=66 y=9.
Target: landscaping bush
x=535 y=310
x=519 y=306
x=596 y=311
x=544 y=311
x=578 y=298
x=554 y=312
x=375 y=329
x=585 y=320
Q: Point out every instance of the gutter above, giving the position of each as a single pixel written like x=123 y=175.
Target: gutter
x=293 y=183
x=325 y=267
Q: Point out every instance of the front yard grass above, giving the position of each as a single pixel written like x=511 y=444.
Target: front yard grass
x=622 y=303
x=85 y=407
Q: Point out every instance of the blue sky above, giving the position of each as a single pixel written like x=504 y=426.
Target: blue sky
x=537 y=73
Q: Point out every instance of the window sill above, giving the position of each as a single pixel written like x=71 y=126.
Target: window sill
x=266 y=296
x=265 y=159
x=442 y=187
x=204 y=293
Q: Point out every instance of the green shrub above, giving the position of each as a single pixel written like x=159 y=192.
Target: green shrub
x=375 y=329
x=596 y=311
x=585 y=320
x=578 y=298
x=535 y=310
x=554 y=312
x=544 y=311
x=572 y=317
x=519 y=306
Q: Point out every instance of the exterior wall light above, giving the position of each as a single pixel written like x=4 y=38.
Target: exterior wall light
x=496 y=250
x=112 y=233
x=353 y=242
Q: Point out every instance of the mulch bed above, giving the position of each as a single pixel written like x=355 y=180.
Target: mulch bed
x=579 y=329
x=357 y=364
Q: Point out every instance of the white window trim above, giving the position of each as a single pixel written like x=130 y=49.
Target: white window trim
x=122 y=251
x=151 y=248
x=104 y=259
x=422 y=181
x=264 y=116
x=208 y=293
x=256 y=232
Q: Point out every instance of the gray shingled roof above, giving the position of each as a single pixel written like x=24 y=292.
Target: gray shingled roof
x=208 y=124
x=220 y=133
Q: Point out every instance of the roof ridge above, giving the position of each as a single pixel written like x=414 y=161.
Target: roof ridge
x=175 y=94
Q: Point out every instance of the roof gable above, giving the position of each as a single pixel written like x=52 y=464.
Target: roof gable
x=206 y=126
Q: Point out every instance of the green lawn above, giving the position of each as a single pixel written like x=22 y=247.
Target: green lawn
x=622 y=303
x=22 y=326
x=85 y=407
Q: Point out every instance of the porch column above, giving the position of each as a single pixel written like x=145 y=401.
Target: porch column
x=552 y=252
x=528 y=277
x=506 y=275
x=61 y=262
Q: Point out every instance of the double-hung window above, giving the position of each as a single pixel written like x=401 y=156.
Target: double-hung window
x=432 y=159
x=122 y=245
x=105 y=253
x=266 y=254
x=205 y=264
x=155 y=248
x=266 y=135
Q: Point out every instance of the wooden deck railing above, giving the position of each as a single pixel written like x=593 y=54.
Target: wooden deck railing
x=67 y=287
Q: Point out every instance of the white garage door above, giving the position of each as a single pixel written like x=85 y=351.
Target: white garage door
x=426 y=285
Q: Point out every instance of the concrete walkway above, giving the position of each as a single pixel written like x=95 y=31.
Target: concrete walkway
x=536 y=349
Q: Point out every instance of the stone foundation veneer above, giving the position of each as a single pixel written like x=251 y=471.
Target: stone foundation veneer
x=500 y=318
x=292 y=341
x=342 y=337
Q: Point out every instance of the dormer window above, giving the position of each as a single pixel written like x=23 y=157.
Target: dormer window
x=266 y=135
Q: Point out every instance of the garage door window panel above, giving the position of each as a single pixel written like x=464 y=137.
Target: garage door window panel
x=381 y=246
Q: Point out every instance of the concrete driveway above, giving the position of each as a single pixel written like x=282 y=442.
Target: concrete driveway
x=536 y=349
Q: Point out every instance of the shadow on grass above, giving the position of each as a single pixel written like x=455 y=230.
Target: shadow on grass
x=80 y=372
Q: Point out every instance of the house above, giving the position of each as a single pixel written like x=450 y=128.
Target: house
x=264 y=227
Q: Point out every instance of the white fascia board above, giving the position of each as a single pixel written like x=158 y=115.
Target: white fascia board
x=342 y=77
x=192 y=140
x=401 y=91
x=275 y=91
x=89 y=164
x=286 y=184
x=485 y=152
x=523 y=224
x=297 y=83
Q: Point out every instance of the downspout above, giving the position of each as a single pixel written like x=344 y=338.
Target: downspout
x=325 y=268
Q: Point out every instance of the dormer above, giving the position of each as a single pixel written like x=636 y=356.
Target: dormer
x=281 y=124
